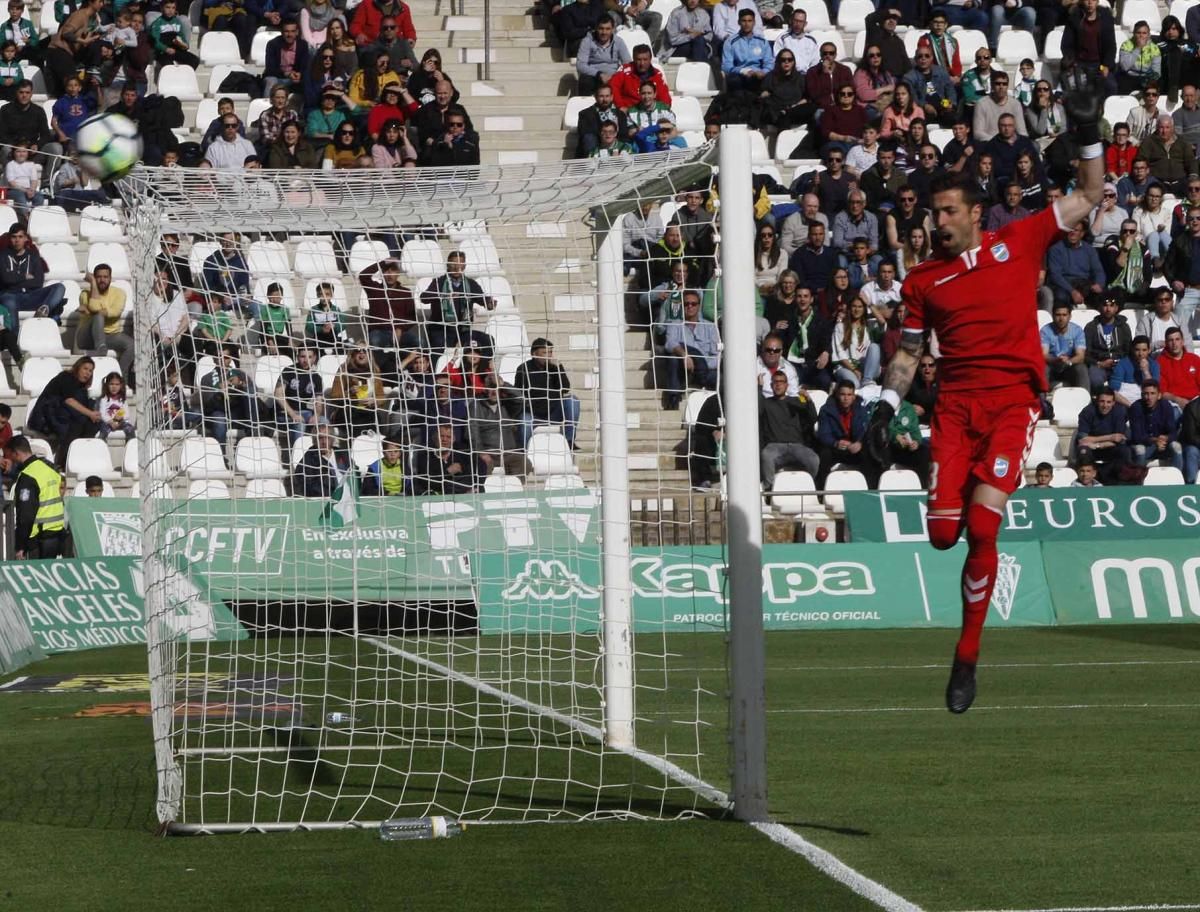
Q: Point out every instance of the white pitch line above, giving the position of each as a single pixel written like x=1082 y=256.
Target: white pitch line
x=939 y=665
x=1153 y=907
x=849 y=710
x=825 y=862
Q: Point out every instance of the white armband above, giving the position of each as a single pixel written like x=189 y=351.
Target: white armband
x=892 y=398
x=1095 y=150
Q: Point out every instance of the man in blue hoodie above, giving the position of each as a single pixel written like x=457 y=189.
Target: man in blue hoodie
x=841 y=431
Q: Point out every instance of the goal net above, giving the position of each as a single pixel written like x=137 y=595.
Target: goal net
x=461 y=588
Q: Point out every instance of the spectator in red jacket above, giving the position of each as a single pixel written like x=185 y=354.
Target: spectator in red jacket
x=627 y=81
x=365 y=26
x=1119 y=156
x=1178 y=370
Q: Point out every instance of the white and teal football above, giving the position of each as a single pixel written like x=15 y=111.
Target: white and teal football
x=109 y=145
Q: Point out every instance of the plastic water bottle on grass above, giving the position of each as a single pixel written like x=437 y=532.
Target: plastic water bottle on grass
x=400 y=828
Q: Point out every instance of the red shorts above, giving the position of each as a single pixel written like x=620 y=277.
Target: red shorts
x=979 y=437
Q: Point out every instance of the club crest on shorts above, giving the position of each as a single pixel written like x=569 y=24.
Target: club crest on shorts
x=1000 y=466
x=1000 y=252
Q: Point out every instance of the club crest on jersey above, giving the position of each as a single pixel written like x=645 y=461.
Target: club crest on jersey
x=1000 y=252
x=1000 y=467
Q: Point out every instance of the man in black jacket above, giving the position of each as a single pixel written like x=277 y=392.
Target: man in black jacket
x=786 y=431
x=548 y=398
x=452 y=298
x=444 y=468
x=22 y=280
x=321 y=467
x=1109 y=339
x=456 y=148
x=591 y=118
x=22 y=121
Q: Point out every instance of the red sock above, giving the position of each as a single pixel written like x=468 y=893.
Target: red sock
x=978 y=577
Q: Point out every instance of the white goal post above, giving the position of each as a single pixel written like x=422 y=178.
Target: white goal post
x=492 y=654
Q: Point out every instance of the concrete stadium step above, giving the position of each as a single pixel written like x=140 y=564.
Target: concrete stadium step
x=503 y=54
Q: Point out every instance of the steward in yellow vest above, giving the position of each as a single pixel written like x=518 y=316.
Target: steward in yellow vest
x=38 y=495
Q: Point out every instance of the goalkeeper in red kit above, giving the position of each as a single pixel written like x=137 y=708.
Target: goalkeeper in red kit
x=978 y=294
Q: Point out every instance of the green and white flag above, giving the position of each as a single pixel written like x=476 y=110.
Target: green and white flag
x=342 y=509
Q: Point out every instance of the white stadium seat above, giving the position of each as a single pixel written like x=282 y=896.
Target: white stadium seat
x=101 y=223
x=266 y=374
x=36 y=373
x=422 y=258
x=258 y=47
x=852 y=15
x=208 y=489
x=695 y=78
x=1014 y=46
x=508 y=334
x=688 y=114
x=41 y=336
x=327 y=367
x=550 y=454
x=366 y=450
x=1133 y=11
x=258 y=457
x=840 y=480
x=503 y=484
x=259 y=291
x=899 y=480
x=219 y=47
x=1068 y=402
x=367 y=253
x=316 y=258
x=794 y=494
x=206 y=113
x=1045 y=448
x=50 y=223
x=90 y=456
x=632 y=37
x=268 y=258
x=179 y=81
x=263 y=488
x=201 y=458
x=1163 y=475
x=60 y=258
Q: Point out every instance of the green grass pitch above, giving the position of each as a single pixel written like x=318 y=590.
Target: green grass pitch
x=1071 y=783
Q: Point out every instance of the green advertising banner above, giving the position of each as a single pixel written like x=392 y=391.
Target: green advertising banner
x=409 y=548
x=815 y=587
x=1154 y=583
x=85 y=603
x=1041 y=514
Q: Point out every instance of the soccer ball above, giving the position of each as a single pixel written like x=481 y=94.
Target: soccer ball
x=109 y=145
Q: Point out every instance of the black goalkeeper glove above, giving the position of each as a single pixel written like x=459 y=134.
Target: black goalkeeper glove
x=1081 y=101
x=879 y=438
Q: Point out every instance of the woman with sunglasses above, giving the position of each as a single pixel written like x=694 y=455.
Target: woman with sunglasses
x=345 y=150
x=1045 y=118
x=1139 y=61
x=1154 y=222
x=322 y=76
x=842 y=126
x=769 y=261
x=873 y=84
x=783 y=94
x=366 y=86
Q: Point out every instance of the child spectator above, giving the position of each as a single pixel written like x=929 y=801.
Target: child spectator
x=115 y=413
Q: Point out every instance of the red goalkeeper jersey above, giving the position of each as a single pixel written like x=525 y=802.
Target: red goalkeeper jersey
x=982 y=305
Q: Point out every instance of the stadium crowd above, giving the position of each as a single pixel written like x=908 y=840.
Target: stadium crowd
x=833 y=246
x=345 y=88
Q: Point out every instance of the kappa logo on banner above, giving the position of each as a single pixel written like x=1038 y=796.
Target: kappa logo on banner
x=548 y=580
